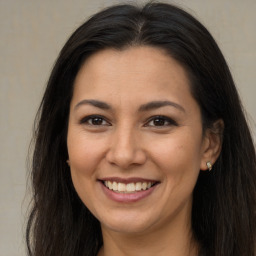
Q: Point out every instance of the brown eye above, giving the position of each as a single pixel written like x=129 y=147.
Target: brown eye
x=160 y=121
x=95 y=121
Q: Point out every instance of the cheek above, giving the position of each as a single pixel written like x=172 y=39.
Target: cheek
x=178 y=157
x=178 y=150
x=84 y=152
x=84 y=155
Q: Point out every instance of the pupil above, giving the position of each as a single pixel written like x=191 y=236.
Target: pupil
x=159 y=122
x=97 y=121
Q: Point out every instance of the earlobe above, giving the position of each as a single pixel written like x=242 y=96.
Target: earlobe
x=209 y=165
x=212 y=145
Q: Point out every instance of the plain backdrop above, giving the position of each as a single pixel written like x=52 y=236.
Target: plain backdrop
x=32 y=34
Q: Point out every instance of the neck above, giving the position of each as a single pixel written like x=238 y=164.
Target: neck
x=175 y=239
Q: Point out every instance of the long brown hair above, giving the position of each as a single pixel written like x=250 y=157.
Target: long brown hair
x=224 y=200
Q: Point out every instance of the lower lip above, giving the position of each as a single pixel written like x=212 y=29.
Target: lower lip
x=127 y=197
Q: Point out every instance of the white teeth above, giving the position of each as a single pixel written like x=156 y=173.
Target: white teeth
x=121 y=187
x=138 y=186
x=110 y=185
x=114 y=185
x=144 y=185
x=128 y=188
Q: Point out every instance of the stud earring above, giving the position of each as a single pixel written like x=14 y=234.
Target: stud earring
x=209 y=165
x=68 y=162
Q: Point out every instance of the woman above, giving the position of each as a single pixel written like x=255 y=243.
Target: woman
x=142 y=147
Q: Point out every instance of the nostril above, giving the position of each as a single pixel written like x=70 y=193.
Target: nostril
x=125 y=158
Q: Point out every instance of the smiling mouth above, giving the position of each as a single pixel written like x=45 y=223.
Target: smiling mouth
x=132 y=187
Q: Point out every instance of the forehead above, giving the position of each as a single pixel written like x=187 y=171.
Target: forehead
x=136 y=63
x=138 y=73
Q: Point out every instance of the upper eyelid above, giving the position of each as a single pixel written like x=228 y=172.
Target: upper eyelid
x=86 y=118
x=171 y=120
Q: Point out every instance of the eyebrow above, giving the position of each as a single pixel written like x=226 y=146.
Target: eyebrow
x=145 y=107
x=158 y=104
x=95 y=103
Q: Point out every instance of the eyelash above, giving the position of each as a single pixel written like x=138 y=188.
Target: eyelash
x=164 y=121
x=89 y=120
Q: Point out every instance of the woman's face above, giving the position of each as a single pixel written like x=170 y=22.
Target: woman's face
x=135 y=139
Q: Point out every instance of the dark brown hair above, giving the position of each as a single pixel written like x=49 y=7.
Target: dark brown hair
x=224 y=200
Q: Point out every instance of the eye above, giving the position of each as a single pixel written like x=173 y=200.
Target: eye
x=160 y=121
x=95 y=121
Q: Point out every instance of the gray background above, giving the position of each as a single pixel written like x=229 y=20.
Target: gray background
x=32 y=34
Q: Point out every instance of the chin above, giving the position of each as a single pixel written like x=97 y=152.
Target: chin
x=127 y=228
x=128 y=224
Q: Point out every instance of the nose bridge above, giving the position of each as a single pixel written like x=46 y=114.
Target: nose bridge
x=125 y=148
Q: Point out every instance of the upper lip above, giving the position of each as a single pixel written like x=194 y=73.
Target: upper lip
x=127 y=180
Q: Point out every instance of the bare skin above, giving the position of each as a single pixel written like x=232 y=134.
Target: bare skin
x=133 y=120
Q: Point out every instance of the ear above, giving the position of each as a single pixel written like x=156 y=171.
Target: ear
x=212 y=144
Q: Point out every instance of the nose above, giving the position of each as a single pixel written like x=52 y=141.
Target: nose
x=125 y=150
